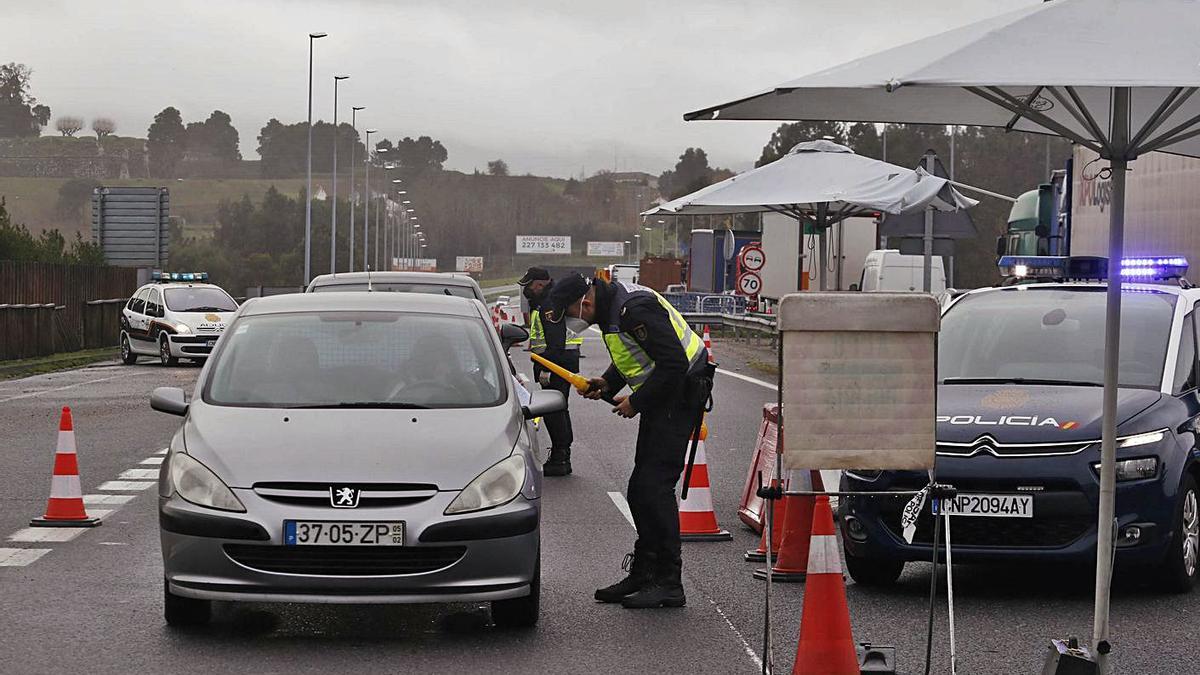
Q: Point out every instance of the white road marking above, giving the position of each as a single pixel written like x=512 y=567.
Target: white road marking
x=71 y=386
x=89 y=500
x=119 y=485
x=20 y=557
x=138 y=474
x=163 y=451
x=46 y=534
x=618 y=500
x=741 y=638
x=747 y=378
x=155 y=460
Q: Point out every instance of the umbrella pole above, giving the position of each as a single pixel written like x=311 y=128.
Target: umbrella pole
x=1105 y=523
x=927 y=243
x=822 y=219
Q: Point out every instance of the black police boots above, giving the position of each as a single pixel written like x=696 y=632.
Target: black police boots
x=558 y=463
x=664 y=590
x=640 y=567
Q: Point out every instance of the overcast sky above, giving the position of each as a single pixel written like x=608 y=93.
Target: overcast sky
x=554 y=87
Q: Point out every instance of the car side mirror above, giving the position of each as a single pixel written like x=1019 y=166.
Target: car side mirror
x=512 y=334
x=544 y=402
x=170 y=400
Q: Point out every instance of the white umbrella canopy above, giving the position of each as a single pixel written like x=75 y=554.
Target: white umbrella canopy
x=1048 y=68
x=1119 y=77
x=821 y=172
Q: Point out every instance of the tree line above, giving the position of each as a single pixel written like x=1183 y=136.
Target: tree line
x=17 y=243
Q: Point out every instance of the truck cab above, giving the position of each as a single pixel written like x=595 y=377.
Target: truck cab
x=1039 y=221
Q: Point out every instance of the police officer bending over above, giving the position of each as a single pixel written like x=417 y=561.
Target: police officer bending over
x=664 y=362
x=550 y=340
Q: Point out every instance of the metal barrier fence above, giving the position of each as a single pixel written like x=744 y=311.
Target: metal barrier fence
x=707 y=303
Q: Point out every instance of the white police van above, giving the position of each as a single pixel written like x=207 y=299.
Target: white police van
x=177 y=315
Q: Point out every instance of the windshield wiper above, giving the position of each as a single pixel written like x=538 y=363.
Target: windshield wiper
x=206 y=308
x=1019 y=380
x=365 y=404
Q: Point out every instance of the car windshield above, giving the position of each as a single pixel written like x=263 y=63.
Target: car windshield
x=1052 y=336
x=392 y=287
x=343 y=359
x=193 y=299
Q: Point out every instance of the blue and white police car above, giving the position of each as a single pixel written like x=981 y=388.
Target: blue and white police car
x=177 y=315
x=1020 y=372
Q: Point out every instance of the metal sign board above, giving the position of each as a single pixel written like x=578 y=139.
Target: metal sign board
x=468 y=263
x=859 y=380
x=753 y=258
x=749 y=283
x=560 y=245
x=610 y=249
x=130 y=224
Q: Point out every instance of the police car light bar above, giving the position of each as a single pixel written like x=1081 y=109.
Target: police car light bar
x=1054 y=267
x=1154 y=268
x=179 y=276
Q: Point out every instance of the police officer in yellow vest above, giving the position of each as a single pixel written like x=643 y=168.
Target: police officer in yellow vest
x=551 y=341
x=663 y=361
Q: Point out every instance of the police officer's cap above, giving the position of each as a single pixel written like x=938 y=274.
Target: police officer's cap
x=533 y=274
x=564 y=293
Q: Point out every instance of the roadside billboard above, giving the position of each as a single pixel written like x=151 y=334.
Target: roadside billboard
x=130 y=224
x=609 y=249
x=553 y=244
x=468 y=263
x=414 y=264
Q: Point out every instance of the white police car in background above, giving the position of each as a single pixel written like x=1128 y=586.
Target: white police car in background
x=175 y=316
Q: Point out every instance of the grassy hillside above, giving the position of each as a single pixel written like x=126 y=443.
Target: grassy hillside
x=33 y=201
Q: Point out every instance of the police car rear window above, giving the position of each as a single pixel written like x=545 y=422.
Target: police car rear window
x=1053 y=335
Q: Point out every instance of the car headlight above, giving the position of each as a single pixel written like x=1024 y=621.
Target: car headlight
x=197 y=484
x=182 y=328
x=498 y=485
x=1141 y=439
x=1134 y=469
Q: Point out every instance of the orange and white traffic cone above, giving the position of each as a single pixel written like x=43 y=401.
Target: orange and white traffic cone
x=826 y=641
x=65 y=506
x=760 y=554
x=697 y=520
x=791 y=559
x=708 y=344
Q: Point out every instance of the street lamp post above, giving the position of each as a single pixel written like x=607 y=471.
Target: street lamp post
x=367 y=202
x=662 y=242
x=638 y=239
x=333 y=227
x=353 y=151
x=308 y=182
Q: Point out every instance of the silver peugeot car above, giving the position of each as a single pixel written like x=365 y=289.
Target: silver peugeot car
x=354 y=448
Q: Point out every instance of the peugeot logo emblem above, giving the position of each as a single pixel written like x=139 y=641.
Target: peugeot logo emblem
x=343 y=497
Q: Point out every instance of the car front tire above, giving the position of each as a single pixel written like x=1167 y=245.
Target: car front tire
x=521 y=612
x=874 y=571
x=164 y=352
x=1179 y=569
x=127 y=355
x=181 y=611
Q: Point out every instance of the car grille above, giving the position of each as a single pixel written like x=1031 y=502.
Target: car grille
x=986 y=445
x=345 y=561
x=1036 y=532
x=371 y=495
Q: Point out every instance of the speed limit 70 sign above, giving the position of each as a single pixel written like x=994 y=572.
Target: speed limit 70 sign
x=749 y=283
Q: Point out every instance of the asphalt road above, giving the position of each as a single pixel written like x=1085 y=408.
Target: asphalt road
x=93 y=604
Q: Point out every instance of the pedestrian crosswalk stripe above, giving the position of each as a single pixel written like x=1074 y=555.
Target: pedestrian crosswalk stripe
x=138 y=474
x=156 y=460
x=89 y=500
x=46 y=534
x=119 y=485
x=20 y=557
